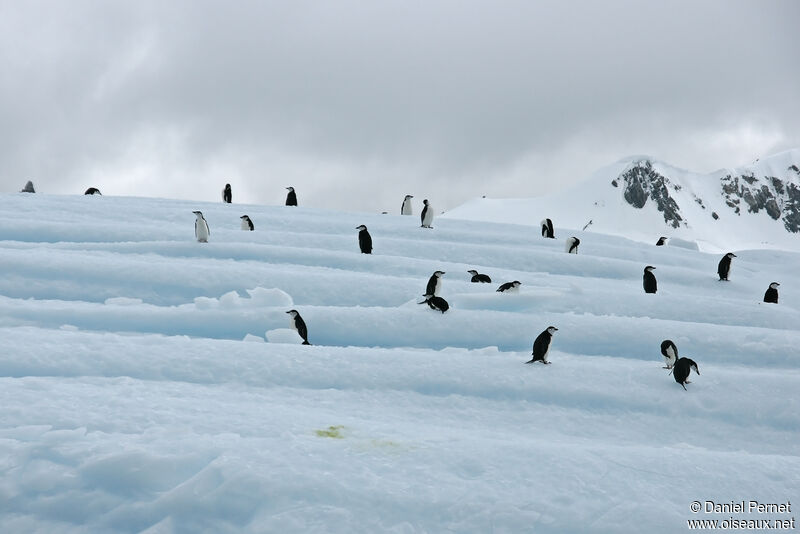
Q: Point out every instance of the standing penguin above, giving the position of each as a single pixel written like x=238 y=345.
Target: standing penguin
x=299 y=324
x=28 y=188
x=435 y=303
x=247 y=224
x=724 y=267
x=547 y=228
x=93 y=191
x=434 y=283
x=572 y=245
x=772 y=293
x=406 y=209
x=364 y=240
x=649 y=280
x=227 y=196
x=201 y=231
x=681 y=371
x=291 y=197
x=542 y=345
x=661 y=241
x=509 y=287
x=670 y=352
x=481 y=278
x=427 y=214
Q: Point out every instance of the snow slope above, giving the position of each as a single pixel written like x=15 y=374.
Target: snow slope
x=150 y=383
x=698 y=196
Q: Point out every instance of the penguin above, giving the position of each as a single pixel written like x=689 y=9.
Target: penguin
x=291 y=197
x=406 y=209
x=661 y=241
x=364 y=240
x=510 y=287
x=300 y=325
x=227 y=196
x=247 y=224
x=201 y=231
x=28 y=188
x=434 y=284
x=772 y=293
x=435 y=303
x=572 y=245
x=649 y=280
x=670 y=352
x=427 y=214
x=542 y=345
x=547 y=228
x=93 y=191
x=681 y=370
x=479 y=278
x=724 y=267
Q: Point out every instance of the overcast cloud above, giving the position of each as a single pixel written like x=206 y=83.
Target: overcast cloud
x=357 y=103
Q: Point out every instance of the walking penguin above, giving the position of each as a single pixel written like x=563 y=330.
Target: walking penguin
x=772 y=293
x=724 y=267
x=300 y=325
x=201 y=231
x=291 y=197
x=364 y=240
x=681 y=371
x=649 y=280
x=541 y=346
x=406 y=208
x=670 y=352
x=434 y=283
x=427 y=214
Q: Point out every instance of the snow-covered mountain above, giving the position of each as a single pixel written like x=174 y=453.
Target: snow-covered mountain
x=756 y=206
x=151 y=384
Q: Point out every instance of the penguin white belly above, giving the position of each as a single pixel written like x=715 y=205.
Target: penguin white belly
x=201 y=231
x=245 y=226
x=428 y=219
x=407 y=209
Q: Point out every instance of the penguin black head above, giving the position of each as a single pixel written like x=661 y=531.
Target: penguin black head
x=473 y=272
x=293 y=313
x=425 y=201
x=552 y=330
x=361 y=227
x=649 y=268
x=774 y=285
x=438 y=273
x=198 y=213
x=730 y=255
x=290 y=188
x=409 y=196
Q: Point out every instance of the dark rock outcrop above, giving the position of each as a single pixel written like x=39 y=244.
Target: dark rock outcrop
x=643 y=183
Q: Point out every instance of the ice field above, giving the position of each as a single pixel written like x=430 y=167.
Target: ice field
x=151 y=383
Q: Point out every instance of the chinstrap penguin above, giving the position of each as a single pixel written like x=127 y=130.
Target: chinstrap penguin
x=227 y=196
x=772 y=293
x=649 y=280
x=509 y=287
x=434 y=283
x=406 y=208
x=479 y=278
x=93 y=191
x=201 y=231
x=724 y=267
x=661 y=241
x=435 y=303
x=427 y=214
x=572 y=245
x=291 y=197
x=547 y=228
x=681 y=371
x=299 y=324
x=670 y=353
x=247 y=224
x=364 y=240
x=541 y=346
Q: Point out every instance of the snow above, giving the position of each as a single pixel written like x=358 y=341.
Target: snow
x=151 y=383
x=595 y=199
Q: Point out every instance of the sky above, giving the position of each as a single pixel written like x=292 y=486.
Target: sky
x=356 y=104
